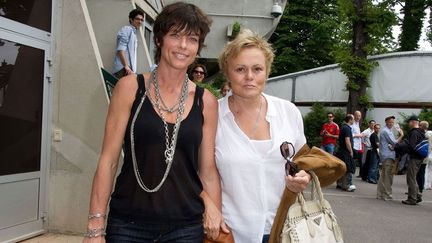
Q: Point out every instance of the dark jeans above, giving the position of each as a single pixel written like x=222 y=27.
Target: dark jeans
x=364 y=169
x=123 y=231
x=120 y=74
x=421 y=177
x=266 y=239
x=373 y=166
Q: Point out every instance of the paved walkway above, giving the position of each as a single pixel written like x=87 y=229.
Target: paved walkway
x=54 y=238
x=362 y=217
x=365 y=219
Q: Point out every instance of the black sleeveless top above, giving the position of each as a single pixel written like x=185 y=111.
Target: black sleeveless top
x=178 y=201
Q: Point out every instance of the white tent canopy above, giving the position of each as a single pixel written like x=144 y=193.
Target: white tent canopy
x=402 y=82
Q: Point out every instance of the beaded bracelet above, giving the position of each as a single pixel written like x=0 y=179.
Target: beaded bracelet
x=97 y=215
x=93 y=233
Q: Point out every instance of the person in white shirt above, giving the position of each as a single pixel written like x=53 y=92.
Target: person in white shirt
x=357 y=137
x=251 y=128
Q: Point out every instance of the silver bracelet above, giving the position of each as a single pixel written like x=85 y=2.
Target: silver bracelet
x=93 y=233
x=97 y=215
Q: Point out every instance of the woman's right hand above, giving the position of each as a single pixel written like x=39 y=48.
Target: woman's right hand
x=96 y=223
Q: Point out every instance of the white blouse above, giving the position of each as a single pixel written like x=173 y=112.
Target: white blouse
x=253 y=182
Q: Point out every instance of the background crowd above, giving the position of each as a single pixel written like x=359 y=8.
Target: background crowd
x=381 y=151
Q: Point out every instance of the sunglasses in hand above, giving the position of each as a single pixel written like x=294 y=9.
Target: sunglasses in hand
x=287 y=150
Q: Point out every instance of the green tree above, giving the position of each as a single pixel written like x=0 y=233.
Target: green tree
x=429 y=28
x=412 y=23
x=366 y=29
x=305 y=36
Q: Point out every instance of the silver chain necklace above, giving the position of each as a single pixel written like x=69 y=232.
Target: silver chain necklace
x=170 y=146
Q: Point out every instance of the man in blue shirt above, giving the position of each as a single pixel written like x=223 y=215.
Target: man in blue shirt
x=388 y=157
x=125 y=61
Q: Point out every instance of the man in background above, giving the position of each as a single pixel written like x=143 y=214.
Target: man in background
x=364 y=170
x=357 y=138
x=415 y=136
x=372 y=173
x=329 y=133
x=388 y=159
x=346 y=153
x=125 y=61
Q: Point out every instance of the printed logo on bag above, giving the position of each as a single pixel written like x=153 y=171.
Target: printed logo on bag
x=317 y=220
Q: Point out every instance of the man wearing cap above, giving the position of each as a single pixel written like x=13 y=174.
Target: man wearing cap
x=415 y=136
x=387 y=156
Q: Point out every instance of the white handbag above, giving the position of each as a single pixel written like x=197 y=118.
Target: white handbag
x=311 y=221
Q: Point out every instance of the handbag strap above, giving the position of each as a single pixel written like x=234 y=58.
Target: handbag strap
x=316 y=193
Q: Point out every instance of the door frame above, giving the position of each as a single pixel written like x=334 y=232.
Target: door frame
x=36 y=38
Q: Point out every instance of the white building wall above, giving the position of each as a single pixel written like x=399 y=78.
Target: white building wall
x=79 y=108
x=252 y=14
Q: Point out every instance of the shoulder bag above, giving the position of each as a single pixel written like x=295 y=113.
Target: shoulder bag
x=311 y=221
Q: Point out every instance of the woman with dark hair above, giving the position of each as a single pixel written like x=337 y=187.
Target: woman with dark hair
x=198 y=73
x=167 y=126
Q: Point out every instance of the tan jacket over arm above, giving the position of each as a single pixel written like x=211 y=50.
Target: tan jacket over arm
x=327 y=167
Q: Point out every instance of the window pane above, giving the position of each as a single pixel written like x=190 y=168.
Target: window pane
x=36 y=13
x=21 y=93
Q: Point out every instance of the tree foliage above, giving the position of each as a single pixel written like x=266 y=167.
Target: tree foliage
x=367 y=30
x=429 y=28
x=305 y=36
x=412 y=24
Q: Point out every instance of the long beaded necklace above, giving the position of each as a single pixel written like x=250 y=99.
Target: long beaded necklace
x=170 y=146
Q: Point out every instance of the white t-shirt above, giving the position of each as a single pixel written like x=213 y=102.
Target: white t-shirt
x=366 y=137
x=355 y=127
x=253 y=182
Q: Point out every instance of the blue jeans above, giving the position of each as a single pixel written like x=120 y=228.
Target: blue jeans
x=266 y=239
x=329 y=148
x=122 y=231
x=373 y=166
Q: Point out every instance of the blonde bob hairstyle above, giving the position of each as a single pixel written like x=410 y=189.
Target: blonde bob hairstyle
x=246 y=39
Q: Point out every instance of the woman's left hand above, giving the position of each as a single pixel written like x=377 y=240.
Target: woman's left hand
x=299 y=182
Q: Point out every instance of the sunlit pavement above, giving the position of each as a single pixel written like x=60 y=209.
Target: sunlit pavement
x=365 y=219
x=55 y=238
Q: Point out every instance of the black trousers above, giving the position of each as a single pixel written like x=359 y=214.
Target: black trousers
x=421 y=177
x=364 y=169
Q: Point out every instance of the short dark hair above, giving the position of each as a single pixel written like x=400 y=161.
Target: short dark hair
x=134 y=13
x=330 y=113
x=377 y=125
x=180 y=16
x=372 y=121
x=349 y=117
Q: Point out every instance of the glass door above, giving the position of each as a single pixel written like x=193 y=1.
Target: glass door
x=24 y=140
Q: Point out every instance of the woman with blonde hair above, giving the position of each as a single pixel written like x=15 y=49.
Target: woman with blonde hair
x=251 y=127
